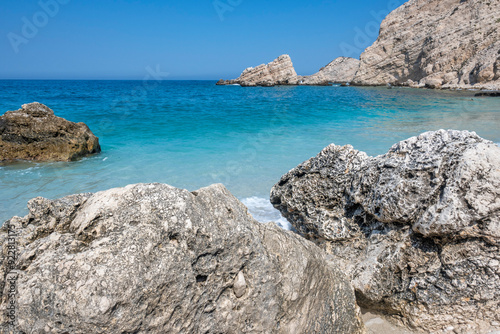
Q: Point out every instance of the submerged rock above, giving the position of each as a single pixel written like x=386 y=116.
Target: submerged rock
x=417 y=229
x=489 y=93
x=150 y=258
x=35 y=133
x=340 y=70
x=436 y=44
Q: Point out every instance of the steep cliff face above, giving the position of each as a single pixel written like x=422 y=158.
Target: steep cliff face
x=278 y=72
x=340 y=70
x=436 y=43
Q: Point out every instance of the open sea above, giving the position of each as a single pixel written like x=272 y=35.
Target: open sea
x=191 y=134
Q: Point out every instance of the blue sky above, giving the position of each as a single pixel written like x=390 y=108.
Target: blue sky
x=203 y=39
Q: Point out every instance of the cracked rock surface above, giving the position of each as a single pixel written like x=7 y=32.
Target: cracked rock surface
x=150 y=258
x=417 y=229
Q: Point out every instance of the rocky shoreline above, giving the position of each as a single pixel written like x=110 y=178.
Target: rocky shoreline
x=412 y=235
x=410 y=238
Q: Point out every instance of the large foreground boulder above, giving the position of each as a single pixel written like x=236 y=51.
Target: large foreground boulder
x=35 y=133
x=417 y=229
x=150 y=258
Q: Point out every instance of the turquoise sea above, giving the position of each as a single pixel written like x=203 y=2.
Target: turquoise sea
x=191 y=134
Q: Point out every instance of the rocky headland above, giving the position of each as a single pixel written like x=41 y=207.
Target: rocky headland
x=422 y=44
x=436 y=44
x=151 y=258
x=281 y=72
x=417 y=230
x=35 y=133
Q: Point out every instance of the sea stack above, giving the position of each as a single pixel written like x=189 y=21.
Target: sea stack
x=35 y=133
x=436 y=44
x=278 y=72
x=281 y=72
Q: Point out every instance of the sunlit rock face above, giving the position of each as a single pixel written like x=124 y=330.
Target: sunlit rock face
x=436 y=44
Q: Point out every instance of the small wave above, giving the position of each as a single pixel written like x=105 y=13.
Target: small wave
x=263 y=211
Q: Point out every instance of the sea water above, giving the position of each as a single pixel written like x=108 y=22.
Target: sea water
x=191 y=134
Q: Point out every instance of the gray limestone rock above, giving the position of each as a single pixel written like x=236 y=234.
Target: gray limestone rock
x=150 y=258
x=417 y=229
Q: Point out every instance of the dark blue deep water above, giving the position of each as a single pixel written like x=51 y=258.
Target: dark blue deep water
x=191 y=134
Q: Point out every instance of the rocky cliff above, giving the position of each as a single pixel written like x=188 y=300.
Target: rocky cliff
x=340 y=70
x=436 y=43
x=416 y=229
x=150 y=258
x=35 y=133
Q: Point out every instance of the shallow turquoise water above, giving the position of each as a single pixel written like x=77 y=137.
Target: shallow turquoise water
x=192 y=133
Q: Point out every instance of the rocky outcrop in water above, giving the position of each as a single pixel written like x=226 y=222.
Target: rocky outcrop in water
x=278 y=72
x=436 y=43
x=417 y=229
x=35 y=133
x=340 y=70
x=281 y=72
x=150 y=258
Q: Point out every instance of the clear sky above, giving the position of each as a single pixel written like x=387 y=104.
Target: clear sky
x=189 y=39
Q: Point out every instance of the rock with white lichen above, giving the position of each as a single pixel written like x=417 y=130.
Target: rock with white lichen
x=417 y=229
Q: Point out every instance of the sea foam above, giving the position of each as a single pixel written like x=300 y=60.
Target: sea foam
x=263 y=211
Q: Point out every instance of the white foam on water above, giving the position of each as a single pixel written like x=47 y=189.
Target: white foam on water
x=263 y=211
